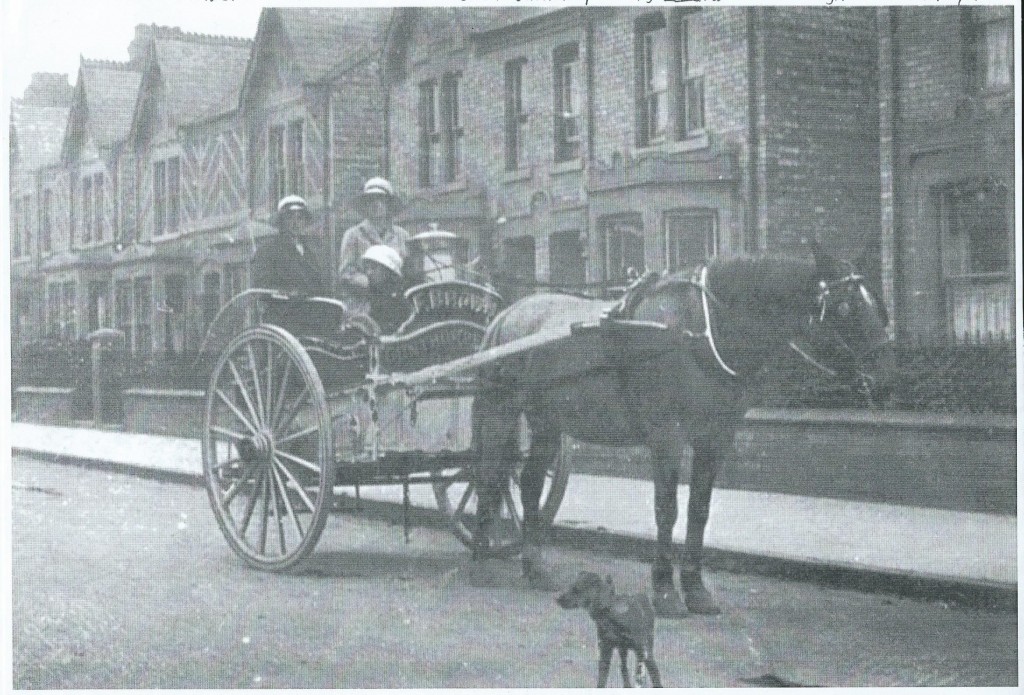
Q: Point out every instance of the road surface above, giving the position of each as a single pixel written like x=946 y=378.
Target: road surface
x=122 y=582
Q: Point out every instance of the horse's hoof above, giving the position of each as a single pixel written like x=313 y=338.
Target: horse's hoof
x=701 y=602
x=667 y=604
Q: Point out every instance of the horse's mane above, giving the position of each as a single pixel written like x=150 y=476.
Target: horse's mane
x=783 y=279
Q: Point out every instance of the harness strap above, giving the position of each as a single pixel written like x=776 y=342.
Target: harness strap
x=700 y=281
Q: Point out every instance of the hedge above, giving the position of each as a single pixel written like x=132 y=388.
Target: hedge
x=930 y=377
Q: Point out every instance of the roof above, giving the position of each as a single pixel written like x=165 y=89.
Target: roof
x=39 y=133
x=110 y=89
x=484 y=20
x=323 y=38
x=202 y=75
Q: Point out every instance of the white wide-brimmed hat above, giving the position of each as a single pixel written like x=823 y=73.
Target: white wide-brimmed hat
x=385 y=256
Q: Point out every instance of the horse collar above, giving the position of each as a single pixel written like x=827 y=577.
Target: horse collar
x=700 y=281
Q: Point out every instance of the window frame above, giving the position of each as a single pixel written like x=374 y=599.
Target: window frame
x=711 y=239
x=46 y=222
x=684 y=95
x=515 y=114
x=167 y=217
x=611 y=224
x=567 y=88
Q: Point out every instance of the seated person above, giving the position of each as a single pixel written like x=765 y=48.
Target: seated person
x=292 y=262
x=379 y=289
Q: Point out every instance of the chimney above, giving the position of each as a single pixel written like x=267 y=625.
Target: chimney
x=48 y=89
x=138 y=49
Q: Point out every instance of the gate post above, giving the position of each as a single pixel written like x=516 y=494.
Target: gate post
x=108 y=348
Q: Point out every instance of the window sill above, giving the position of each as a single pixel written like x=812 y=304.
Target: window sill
x=691 y=144
x=521 y=174
x=568 y=167
x=978 y=278
x=167 y=237
x=459 y=184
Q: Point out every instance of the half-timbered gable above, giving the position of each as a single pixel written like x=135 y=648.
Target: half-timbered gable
x=37 y=128
x=187 y=181
x=85 y=196
x=292 y=89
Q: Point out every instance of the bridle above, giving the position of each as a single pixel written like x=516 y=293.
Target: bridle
x=864 y=380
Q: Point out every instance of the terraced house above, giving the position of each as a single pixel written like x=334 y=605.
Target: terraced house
x=566 y=145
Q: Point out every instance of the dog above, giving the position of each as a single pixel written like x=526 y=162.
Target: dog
x=625 y=623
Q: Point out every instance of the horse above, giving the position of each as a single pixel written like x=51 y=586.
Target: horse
x=688 y=345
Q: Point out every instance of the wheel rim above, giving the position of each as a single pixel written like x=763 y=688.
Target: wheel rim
x=268 y=456
x=457 y=500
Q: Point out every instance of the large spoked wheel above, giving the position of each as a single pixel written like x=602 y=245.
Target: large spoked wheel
x=268 y=448
x=458 y=500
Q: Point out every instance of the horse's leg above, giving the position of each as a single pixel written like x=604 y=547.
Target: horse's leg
x=494 y=427
x=707 y=458
x=544 y=446
x=666 y=457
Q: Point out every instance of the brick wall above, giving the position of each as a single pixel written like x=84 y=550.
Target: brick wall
x=357 y=132
x=929 y=62
x=821 y=130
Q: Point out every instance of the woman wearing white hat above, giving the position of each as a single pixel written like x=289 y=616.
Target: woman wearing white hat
x=379 y=204
x=382 y=297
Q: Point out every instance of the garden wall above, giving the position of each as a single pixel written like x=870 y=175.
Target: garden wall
x=964 y=462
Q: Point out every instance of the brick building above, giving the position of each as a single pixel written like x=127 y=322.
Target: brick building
x=171 y=162
x=566 y=145
x=947 y=95
x=577 y=143
x=37 y=131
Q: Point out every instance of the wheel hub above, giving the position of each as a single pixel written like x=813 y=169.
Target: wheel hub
x=262 y=442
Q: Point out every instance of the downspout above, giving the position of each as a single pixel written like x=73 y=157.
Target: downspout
x=587 y=270
x=750 y=185
x=887 y=161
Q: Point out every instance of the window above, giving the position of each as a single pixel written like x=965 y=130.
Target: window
x=655 y=57
x=123 y=308
x=567 y=265
x=99 y=200
x=440 y=131
x=143 y=309
x=71 y=214
x=210 y=298
x=16 y=232
x=567 y=102
x=92 y=197
x=98 y=304
x=990 y=37
x=430 y=136
x=173 y=311
x=47 y=215
x=670 y=92
x=520 y=258
x=623 y=238
x=515 y=118
x=452 y=126
x=690 y=237
x=68 y=311
x=167 y=196
x=975 y=221
x=285 y=160
x=53 y=296
x=87 y=219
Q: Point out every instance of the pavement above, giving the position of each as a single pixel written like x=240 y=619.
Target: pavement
x=902 y=542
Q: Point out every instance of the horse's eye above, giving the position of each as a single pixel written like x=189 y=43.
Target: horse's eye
x=843 y=309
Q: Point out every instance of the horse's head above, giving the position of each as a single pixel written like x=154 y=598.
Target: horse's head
x=848 y=327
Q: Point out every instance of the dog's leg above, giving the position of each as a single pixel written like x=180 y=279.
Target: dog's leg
x=604 y=661
x=627 y=682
